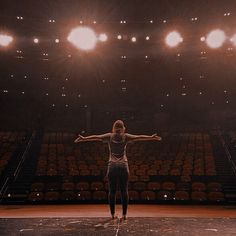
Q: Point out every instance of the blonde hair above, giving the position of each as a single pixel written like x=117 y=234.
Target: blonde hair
x=118 y=127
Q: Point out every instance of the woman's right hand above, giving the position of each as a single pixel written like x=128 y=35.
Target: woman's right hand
x=156 y=137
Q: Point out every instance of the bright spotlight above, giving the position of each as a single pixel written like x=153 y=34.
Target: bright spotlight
x=102 y=37
x=5 y=40
x=119 y=37
x=57 y=40
x=83 y=38
x=133 y=39
x=233 y=40
x=215 y=38
x=36 y=40
x=173 y=39
x=202 y=39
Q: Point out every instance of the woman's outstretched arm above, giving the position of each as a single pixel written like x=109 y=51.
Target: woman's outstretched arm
x=132 y=137
x=100 y=137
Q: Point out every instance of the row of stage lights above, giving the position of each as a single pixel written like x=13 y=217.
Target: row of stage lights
x=85 y=38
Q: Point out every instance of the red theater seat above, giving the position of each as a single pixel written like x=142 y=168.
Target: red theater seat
x=133 y=195
x=154 y=186
x=199 y=196
x=99 y=195
x=96 y=186
x=84 y=195
x=181 y=196
x=148 y=195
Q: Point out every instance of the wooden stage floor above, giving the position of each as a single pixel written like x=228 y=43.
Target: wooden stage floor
x=94 y=220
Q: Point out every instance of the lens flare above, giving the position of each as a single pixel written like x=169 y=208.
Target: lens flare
x=173 y=39
x=216 y=38
x=83 y=38
x=5 y=40
x=103 y=37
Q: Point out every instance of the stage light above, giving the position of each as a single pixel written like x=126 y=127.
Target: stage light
x=83 y=38
x=233 y=40
x=202 y=39
x=173 y=39
x=36 y=40
x=119 y=37
x=57 y=40
x=215 y=38
x=102 y=37
x=147 y=37
x=5 y=40
x=133 y=39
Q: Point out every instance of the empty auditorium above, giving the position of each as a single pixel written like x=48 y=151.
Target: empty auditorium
x=117 y=117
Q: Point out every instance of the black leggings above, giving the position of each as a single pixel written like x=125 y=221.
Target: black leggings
x=118 y=174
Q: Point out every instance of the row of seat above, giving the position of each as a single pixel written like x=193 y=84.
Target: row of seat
x=139 y=186
x=133 y=196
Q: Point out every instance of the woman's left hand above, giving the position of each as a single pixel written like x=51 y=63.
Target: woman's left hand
x=79 y=139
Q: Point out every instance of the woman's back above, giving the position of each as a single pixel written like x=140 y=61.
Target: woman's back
x=117 y=148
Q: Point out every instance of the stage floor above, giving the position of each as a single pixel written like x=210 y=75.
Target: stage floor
x=94 y=220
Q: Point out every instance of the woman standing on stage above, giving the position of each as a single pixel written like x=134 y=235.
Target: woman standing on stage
x=118 y=170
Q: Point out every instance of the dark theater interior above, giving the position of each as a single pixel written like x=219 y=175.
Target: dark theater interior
x=132 y=101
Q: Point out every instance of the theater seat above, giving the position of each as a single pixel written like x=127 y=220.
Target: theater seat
x=148 y=195
x=99 y=195
x=154 y=186
x=36 y=196
x=53 y=186
x=96 y=186
x=68 y=196
x=133 y=196
x=81 y=186
x=164 y=195
x=181 y=196
x=216 y=197
x=84 y=195
x=139 y=186
x=69 y=186
x=170 y=186
x=214 y=187
x=52 y=196
x=37 y=187
x=198 y=186
x=198 y=196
